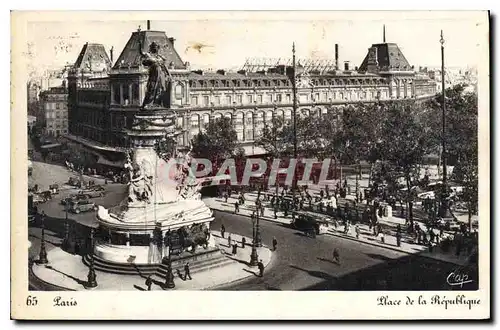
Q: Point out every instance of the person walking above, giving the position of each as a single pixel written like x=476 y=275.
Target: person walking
x=236 y=207
x=357 y=230
x=149 y=282
x=275 y=243
x=229 y=240
x=187 y=272
x=336 y=255
x=243 y=242
x=261 y=268
x=222 y=230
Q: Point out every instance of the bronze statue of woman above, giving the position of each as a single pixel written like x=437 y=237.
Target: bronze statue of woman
x=159 y=77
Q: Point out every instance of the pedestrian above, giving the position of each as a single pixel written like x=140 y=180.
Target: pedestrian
x=336 y=255
x=275 y=243
x=225 y=197
x=243 y=242
x=261 y=268
x=261 y=210
x=321 y=194
x=229 y=240
x=356 y=228
x=222 y=230
x=235 y=248
x=187 y=271
x=236 y=207
x=149 y=282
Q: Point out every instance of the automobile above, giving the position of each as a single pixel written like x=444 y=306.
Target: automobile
x=38 y=199
x=307 y=221
x=75 y=181
x=90 y=193
x=54 y=189
x=82 y=206
x=73 y=198
x=97 y=188
x=427 y=194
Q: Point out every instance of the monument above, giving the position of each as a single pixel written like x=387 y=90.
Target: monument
x=162 y=217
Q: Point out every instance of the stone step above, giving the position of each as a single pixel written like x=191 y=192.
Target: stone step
x=160 y=275
x=199 y=262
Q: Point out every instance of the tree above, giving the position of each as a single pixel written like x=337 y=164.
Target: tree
x=404 y=142
x=217 y=142
x=461 y=140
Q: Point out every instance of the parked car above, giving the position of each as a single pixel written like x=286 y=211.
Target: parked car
x=73 y=198
x=90 y=193
x=39 y=199
x=82 y=206
x=54 y=189
x=75 y=181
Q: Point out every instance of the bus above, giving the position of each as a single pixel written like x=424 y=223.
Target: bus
x=308 y=221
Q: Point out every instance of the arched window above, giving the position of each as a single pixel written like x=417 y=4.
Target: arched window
x=195 y=121
x=269 y=117
x=217 y=116
x=249 y=126
x=179 y=91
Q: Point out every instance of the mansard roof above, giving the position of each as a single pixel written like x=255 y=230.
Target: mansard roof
x=93 y=57
x=388 y=58
x=130 y=55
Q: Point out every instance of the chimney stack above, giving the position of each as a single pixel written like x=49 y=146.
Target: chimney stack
x=111 y=54
x=346 y=66
x=148 y=25
x=336 y=56
x=172 y=40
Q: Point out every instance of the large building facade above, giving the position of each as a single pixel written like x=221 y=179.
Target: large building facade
x=54 y=109
x=103 y=97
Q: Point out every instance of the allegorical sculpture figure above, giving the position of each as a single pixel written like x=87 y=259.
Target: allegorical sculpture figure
x=140 y=185
x=159 y=77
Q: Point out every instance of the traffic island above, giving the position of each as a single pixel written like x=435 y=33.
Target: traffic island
x=70 y=272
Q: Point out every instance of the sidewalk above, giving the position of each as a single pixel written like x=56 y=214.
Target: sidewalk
x=388 y=224
x=68 y=271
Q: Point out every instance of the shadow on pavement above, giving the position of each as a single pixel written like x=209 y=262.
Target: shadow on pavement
x=77 y=280
x=316 y=273
x=251 y=272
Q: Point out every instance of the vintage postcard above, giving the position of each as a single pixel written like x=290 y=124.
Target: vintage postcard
x=250 y=165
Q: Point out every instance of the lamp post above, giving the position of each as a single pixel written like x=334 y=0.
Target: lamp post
x=443 y=211
x=254 y=258
x=91 y=277
x=294 y=89
x=43 y=252
x=169 y=283
x=65 y=243
x=258 y=240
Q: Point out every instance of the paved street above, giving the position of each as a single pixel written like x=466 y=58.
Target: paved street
x=303 y=263
x=300 y=263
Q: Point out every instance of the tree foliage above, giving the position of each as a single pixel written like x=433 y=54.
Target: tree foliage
x=217 y=142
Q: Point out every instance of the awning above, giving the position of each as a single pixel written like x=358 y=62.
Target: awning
x=49 y=146
x=254 y=150
x=104 y=161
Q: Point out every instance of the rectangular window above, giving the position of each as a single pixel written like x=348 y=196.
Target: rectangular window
x=194 y=100
x=316 y=97
x=126 y=96
x=325 y=96
x=228 y=100
x=239 y=99
x=270 y=98
x=288 y=98
x=205 y=100
x=135 y=93
x=278 y=98
x=217 y=100
x=116 y=94
x=259 y=99
x=250 y=99
x=57 y=105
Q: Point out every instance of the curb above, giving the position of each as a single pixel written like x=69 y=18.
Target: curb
x=248 y=216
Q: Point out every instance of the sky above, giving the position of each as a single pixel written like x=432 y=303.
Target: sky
x=232 y=37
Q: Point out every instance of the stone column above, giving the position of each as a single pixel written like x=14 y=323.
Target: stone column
x=130 y=101
x=109 y=237
x=121 y=94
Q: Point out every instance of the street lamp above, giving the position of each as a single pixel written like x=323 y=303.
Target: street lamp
x=443 y=211
x=43 y=253
x=91 y=277
x=294 y=89
x=254 y=258
x=258 y=241
x=169 y=282
x=65 y=243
